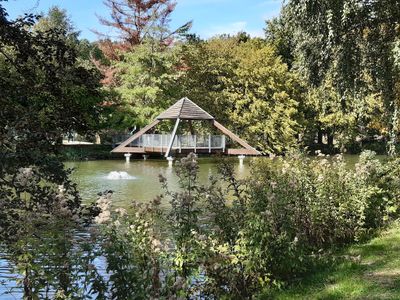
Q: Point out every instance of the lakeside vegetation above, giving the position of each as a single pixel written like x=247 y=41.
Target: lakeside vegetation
x=366 y=271
x=326 y=76
x=235 y=240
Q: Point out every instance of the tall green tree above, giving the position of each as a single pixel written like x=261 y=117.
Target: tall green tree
x=243 y=83
x=352 y=43
x=280 y=33
x=45 y=92
x=265 y=97
x=207 y=65
x=147 y=83
x=57 y=18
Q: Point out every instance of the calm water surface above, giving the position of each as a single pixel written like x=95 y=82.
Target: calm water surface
x=143 y=185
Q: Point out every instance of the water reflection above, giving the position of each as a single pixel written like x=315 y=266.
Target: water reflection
x=90 y=177
x=46 y=259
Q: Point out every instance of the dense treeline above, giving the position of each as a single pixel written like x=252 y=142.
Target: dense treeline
x=326 y=75
x=326 y=72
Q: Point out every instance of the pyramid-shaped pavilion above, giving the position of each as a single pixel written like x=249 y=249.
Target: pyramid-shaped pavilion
x=184 y=109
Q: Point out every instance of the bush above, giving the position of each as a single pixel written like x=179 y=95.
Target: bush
x=305 y=206
x=232 y=238
x=85 y=152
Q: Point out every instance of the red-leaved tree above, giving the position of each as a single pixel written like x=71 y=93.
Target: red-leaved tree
x=132 y=22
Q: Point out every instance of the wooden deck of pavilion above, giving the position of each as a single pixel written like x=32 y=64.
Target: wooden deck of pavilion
x=184 y=109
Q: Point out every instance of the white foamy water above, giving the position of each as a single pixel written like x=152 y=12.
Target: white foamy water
x=117 y=175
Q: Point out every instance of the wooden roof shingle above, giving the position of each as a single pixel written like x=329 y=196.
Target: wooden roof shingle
x=185 y=109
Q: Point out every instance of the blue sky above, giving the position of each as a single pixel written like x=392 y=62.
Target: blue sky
x=210 y=17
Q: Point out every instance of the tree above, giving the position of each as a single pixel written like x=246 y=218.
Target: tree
x=358 y=119
x=265 y=98
x=352 y=43
x=244 y=83
x=147 y=83
x=57 y=19
x=135 y=21
x=141 y=26
x=279 y=32
x=45 y=92
x=206 y=66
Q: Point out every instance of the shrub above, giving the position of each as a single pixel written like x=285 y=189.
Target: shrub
x=305 y=206
x=232 y=238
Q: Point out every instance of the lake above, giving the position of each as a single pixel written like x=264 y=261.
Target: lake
x=141 y=181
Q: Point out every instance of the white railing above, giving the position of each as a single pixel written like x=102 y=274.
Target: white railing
x=181 y=141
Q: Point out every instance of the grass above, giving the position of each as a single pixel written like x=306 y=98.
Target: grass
x=368 y=271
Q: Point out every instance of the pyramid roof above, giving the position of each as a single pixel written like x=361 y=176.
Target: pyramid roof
x=185 y=109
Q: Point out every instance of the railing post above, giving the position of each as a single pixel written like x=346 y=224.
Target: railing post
x=127 y=157
x=209 y=143
x=223 y=143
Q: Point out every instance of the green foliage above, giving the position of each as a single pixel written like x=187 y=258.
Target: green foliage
x=279 y=33
x=235 y=238
x=356 y=117
x=146 y=82
x=132 y=250
x=45 y=91
x=306 y=206
x=246 y=86
x=86 y=152
x=265 y=98
x=208 y=64
x=358 y=272
x=57 y=19
x=350 y=47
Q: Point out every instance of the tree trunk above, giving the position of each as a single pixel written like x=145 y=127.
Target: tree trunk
x=28 y=295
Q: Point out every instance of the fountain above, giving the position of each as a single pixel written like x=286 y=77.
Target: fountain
x=116 y=175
